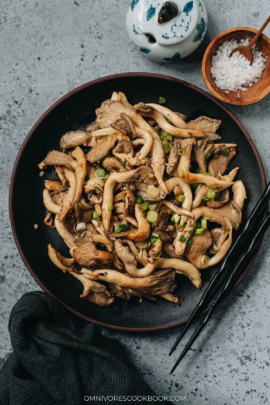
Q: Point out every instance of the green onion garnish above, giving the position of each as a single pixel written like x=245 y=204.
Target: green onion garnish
x=175 y=218
x=103 y=157
x=190 y=242
x=125 y=162
x=99 y=189
x=181 y=198
x=100 y=173
x=151 y=216
x=140 y=200
x=155 y=241
x=87 y=200
x=121 y=228
x=204 y=222
x=198 y=231
x=142 y=245
x=110 y=206
x=167 y=136
x=145 y=205
x=107 y=175
x=167 y=146
x=180 y=173
x=182 y=151
x=194 y=185
x=182 y=226
x=208 y=155
x=206 y=174
x=225 y=153
x=94 y=164
x=95 y=216
x=162 y=100
x=210 y=193
x=182 y=238
x=106 y=138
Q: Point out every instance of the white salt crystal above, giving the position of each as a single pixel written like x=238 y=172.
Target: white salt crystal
x=235 y=72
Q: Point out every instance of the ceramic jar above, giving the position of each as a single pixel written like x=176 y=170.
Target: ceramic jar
x=166 y=31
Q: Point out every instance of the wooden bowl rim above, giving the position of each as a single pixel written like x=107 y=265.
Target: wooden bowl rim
x=208 y=83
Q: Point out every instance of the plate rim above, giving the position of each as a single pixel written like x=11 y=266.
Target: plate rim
x=27 y=139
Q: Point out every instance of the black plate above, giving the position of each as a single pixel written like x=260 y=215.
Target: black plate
x=77 y=110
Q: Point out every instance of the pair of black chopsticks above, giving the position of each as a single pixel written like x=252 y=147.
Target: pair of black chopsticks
x=231 y=269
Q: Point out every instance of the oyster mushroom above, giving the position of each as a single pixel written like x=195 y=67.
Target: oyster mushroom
x=104 y=146
x=208 y=125
x=52 y=185
x=110 y=111
x=86 y=253
x=60 y=159
x=159 y=283
x=174 y=157
x=63 y=263
x=201 y=151
x=130 y=261
x=49 y=204
x=80 y=172
x=220 y=162
x=182 y=267
x=163 y=123
x=108 y=193
x=75 y=138
x=64 y=232
x=140 y=234
x=70 y=196
x=113 y=165
x=219 y=235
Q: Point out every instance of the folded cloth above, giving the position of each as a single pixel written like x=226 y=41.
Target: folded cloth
x=59 y=360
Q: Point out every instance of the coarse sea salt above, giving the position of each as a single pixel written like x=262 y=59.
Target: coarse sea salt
x=236 y=73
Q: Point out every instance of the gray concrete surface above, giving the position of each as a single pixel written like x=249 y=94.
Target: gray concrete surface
x=49 y=48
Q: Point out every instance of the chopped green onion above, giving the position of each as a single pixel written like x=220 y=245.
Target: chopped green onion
x=110 y=206
x=100 y=173
x=204 y=222
x=182 y=226
x=210 y=193
x=151 y=216
x=167 y=136
x=145 y=205
x=169 y=121
x=221 y=199
x=193 y=229
x=206 y=174
x=103 y=157
x=208 y=155
x=106 y=177
x=225 y=153
x=155 y=241
x=125 y=162
x=180 y=173
x=87 y=200
x=95 y=216
x=190 y=242
x=198 y=231
x=194 y=185
x=181 y=198
x=182 y=238
x=160 y=252
x=182 y=151
x=195 y=146
x=121 y=228
x=167 y=146
x=175 y=218
x=94 y=164
x=156 y=235
x=140 y=200
x=162 y=100
x=99 y=189
x=142 y=245
x=106 y=138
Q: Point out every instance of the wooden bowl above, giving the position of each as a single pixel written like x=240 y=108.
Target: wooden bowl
x=253 y=94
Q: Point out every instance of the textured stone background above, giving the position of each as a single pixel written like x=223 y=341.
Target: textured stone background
x=48 y=49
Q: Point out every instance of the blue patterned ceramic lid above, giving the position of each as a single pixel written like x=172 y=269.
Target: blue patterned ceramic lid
x=147 y=15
